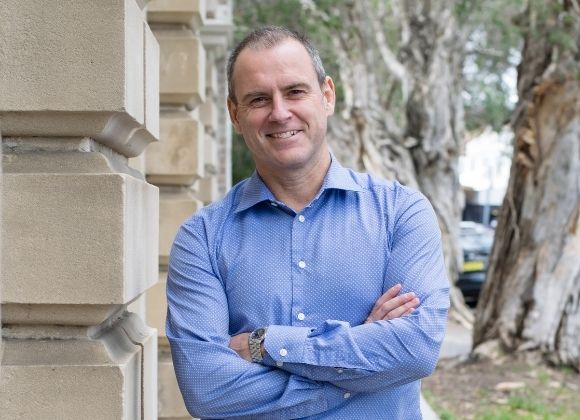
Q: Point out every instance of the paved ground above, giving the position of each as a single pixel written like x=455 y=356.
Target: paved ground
x=457 y=342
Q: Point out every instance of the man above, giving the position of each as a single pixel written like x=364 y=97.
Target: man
x=286 y=297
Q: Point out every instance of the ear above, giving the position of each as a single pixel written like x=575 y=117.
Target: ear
x=329 y=93
x=233 y=111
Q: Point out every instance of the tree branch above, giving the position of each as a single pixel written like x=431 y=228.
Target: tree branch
x=388 y=57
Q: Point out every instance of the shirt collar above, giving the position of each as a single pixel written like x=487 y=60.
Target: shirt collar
x=255 y=190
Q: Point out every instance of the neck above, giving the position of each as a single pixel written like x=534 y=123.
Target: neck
x=297 y=188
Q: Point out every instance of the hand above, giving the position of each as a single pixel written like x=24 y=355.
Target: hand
x=239 y=343
x=391 y=306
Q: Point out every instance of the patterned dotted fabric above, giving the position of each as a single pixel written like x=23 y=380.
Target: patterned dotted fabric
x=249 y=261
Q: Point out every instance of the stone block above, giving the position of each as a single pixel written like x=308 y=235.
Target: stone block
x=185 y=12
x=139 y=306
x=174 y=209
x=208 y=189
x=211 y=73
x=138 y=163
x=151 y=82
x=182 y=68
x=217 y=32
x=171 y=405
x=211 y=151
x=178 y=158
x=157 y=304
x=55 y=376
x=76 y=69
x=77 y=239
x=209 y=114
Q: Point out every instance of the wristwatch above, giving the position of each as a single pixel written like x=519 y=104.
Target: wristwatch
x=255 y=343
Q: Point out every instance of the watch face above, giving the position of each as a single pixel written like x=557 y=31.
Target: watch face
x=259 y=333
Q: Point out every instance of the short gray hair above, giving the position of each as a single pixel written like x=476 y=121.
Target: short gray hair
x=269 y=37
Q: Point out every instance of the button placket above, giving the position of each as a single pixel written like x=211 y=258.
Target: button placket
x=300 y=271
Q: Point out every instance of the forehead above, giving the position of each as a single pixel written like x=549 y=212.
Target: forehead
x=265 y=68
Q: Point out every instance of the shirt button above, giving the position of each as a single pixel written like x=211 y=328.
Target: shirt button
x=339 y=370
x=301 y=218
x=300 y=316
x=283 y=352
x=346 y=395
x=274 y=204
x=279 y=364
x=301 y=264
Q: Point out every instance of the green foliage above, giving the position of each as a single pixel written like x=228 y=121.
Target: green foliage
x=242 y=162
x=492 y=50
x=492 y=53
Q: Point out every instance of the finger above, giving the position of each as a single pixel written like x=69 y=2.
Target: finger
x=388 y=295
x=403 y=310
x=392 y=304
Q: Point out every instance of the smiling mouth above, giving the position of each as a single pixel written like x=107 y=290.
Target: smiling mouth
x=283 y=135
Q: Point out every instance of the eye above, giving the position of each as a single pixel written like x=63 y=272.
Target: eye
x=258 y=101
x=296 y=92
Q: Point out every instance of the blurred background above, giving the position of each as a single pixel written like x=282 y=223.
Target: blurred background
x=476 y=104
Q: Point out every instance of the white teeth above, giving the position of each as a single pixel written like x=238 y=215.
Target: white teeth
x=283 y=135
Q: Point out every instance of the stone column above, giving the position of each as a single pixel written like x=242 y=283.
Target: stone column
x=186 y=159
x=1 y=270
x=177 y=163
x=79 y=83
x=216 y=35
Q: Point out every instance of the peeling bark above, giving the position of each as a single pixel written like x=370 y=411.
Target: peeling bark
x=531 y=298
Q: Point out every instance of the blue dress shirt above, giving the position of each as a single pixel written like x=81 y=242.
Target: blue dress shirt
x=312 y=278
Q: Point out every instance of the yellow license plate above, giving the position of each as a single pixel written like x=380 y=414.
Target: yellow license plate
x=473 y=266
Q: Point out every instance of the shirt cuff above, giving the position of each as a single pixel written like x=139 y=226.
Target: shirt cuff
x=286 y=344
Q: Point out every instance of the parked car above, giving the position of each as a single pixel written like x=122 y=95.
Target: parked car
x=476 y=241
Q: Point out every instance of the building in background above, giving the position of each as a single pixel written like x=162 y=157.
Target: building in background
x=484 y=174
x=114 y=131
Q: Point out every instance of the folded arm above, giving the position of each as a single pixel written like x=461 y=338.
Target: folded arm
x=214 y=380
x=384 y=353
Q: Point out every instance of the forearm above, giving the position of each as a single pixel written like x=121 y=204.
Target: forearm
x=366 y=357
x=216 y=383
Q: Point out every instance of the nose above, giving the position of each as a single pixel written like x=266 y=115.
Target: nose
x=279 y=111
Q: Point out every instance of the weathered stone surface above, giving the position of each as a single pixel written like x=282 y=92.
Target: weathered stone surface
x=47 y=314
x=1 y=246
x=138 y=163
x=182 y=68
x=151 y=82
x=77 y=69
x=208 y=114
x=171 y=405
x=217 y=31
x=211 y=154
x=178 y=158
x=211 y=72
x=157 y=304
x=208 y=190
x=55 y=375
x=185 y=12
x=65 y=157
x=78 y=238
x=174 y=209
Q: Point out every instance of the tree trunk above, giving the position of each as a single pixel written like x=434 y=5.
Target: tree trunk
x=434 y=59
x=420 y=149
x=531 y=298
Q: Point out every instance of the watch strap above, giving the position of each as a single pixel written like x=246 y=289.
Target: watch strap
x=255 y=341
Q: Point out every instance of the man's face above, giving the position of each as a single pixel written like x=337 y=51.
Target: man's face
x=281 y=110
